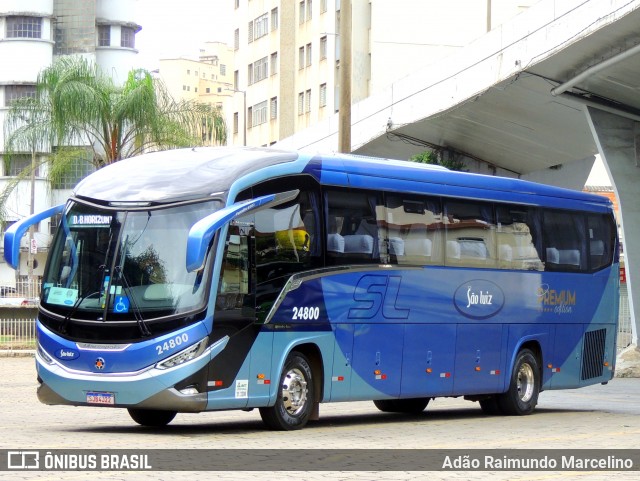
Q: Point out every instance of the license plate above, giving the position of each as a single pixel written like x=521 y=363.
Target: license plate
x=106 y=398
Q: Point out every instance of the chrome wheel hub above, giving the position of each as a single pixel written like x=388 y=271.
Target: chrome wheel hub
x=294 y=392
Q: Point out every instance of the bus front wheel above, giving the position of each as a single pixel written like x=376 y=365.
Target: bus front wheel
x=294 y=403
x=151 y=417
x=522 y=396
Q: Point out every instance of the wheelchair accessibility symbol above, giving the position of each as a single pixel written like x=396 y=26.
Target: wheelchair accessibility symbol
x=121 y=305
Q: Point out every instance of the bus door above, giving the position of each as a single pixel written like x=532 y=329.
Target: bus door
x=230 y=371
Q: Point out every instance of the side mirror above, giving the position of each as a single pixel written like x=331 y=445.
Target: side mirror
x=202 y=232
x=13 y=235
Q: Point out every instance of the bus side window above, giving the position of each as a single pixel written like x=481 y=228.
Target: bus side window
x=353 y=234
x=517 y=237
x=564 y=241
x=415 y=234
x=470 y=234
x=285 y=238
x=601 y=236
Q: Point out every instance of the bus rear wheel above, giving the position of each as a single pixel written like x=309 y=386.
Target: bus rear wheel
x=522 y=396
x=151 y=417
x=294 y=403
x=405 y=406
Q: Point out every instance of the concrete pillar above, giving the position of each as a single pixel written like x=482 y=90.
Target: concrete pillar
x=618 y=140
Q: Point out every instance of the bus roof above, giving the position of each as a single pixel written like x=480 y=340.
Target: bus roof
x=186 y=174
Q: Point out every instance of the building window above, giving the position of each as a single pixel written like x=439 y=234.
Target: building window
x=260 y=69
x=77 y=171
x=236 y=79
x=188 y=71
x=274 y=63
x=261 y=25
x=323 y=95
x=236 y=39
x=309 y=10
x=308 y=55
x=208 y=90
x=104 y=35
x=235 y=122
x=302 y=13
x=273 y=108
x=301 y=58
x=301 y=103
x=250 y=74
x=259 y=113
x=15 y=92
x=20 y=163
x=274 y=19
x=307 y=107
x=24 y=27
x=250 y=31
x=323 y=47
x=249 y=121
x=237 y=3
x=223 y=69
x=127 y=37
x=323 y=6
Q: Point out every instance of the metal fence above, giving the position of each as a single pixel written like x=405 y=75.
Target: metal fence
x=625 y=336
x=18 y=328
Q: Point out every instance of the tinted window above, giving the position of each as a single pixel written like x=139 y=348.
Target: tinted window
x=518 y=238
x=415 y=230
x=602 y=238
x=470 y=234
x=352 y=227
x=564 y=241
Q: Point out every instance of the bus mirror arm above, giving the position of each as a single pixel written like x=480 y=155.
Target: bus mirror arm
x=13 y=235
x=202 y=232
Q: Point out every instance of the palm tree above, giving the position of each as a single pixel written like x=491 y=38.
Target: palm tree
x=78 y=113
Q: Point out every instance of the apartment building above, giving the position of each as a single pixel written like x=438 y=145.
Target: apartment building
x=32 y=34
x=287 y=54
x=209 y=79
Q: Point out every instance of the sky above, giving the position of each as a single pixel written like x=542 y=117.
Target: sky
x=172 y=28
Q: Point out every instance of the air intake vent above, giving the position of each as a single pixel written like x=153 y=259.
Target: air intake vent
x=593 y=353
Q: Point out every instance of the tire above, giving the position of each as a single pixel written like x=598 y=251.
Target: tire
x=522 y=396
x=405 y=406
x=152 y=417
x=490 y=406
x=294 y=403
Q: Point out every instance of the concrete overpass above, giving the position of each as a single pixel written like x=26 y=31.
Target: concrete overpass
x=535 y=98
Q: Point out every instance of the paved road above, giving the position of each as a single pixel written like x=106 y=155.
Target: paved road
x=594 y=417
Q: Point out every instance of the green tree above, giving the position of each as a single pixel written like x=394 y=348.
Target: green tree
x=79 y=113
x=433 y=157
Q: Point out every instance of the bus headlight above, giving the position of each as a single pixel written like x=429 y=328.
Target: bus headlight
x=185 y=355
x=43 y=355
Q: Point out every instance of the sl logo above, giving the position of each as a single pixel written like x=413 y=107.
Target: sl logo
x=375 y=293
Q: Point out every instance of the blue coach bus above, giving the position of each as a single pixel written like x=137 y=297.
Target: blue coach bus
x=222 y=278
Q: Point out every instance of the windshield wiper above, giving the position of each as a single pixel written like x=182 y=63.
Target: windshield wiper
x=144 y=330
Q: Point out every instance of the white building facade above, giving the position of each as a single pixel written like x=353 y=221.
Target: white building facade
x=287 y=54
x=32 y=34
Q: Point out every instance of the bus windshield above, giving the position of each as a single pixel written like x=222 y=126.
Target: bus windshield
x=123 y=265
